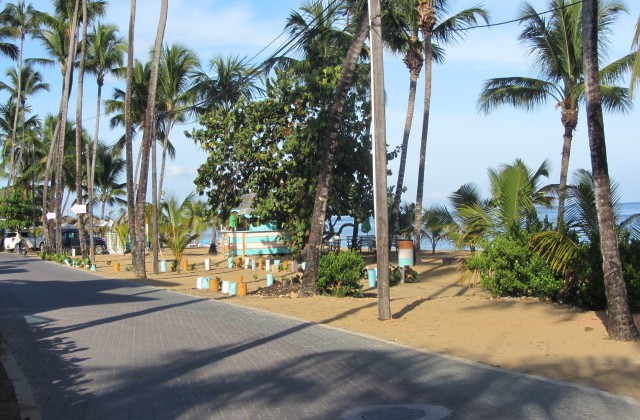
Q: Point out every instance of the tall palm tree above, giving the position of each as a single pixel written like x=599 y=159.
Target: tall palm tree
x=109 y=168
x=128 y=127
x=555 y=45
x=23 y=20
x=138 y=257
x=621 y=324
x=22 y=83
x=177 y=64
x=436 y=28
x=105 y=53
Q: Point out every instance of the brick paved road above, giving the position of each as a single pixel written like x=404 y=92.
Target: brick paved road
x=93 y=348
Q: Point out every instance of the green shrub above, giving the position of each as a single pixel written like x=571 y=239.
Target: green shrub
x=586 y=288
x=339 y=274
x=509 y=267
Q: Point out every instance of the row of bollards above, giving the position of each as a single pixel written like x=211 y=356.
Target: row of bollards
x=277 y=266
x=230 y=288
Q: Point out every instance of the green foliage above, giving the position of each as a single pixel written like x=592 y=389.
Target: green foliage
x=509 y=267
x=586 y=288
x=16 y=210
x=395 y=275
x=273 y=148
x=339 y=274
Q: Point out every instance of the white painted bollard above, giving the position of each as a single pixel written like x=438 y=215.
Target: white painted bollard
x=246 y=263
x=202 y=283
x=207 y=264
x=73 y=252
x=268 y=265
x=225 y=286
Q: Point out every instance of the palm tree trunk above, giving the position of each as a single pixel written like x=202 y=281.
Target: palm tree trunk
x=569 y=121
x=413 y=60
x=428 y=17
x=139 y=257
x=621 y=325
x=310 y=277
x=79 y=148
x=154 y=206
x=128 y=124
x=92 y=171
x=15 y=117
x=165 y=144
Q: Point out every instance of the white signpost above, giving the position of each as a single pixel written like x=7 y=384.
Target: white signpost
x=79 y=208
x=51 y=216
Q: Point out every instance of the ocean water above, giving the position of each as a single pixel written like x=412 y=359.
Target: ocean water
x=626 y=210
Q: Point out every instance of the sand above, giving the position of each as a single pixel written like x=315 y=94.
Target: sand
x=439 y=314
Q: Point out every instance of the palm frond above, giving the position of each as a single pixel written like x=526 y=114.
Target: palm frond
x=520 y=92
x=555 y=248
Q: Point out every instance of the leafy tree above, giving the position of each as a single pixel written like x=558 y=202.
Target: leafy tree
x=16 y=210
x=555 y=46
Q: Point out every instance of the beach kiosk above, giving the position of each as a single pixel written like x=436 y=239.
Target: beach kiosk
x=245 y=235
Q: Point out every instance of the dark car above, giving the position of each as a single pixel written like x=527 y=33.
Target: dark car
x=71 y=239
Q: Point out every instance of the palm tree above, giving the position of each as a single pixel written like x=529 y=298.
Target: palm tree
x=23 y=82
x=621 y=324
x=556 y=48
x=105 y=53
x=138 y=257
x=128 y=128
x=109 y=168
x=177 y=223
x=435 y=29
x=177 y=63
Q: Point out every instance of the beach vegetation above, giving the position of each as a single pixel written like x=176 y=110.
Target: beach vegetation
x=339 y=274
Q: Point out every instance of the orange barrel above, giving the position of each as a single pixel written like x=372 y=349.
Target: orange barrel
x=116 y=267
x=213 y=285
x=241 y=289
x=185 y=265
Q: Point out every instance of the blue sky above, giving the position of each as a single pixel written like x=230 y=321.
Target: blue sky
x=462 y=144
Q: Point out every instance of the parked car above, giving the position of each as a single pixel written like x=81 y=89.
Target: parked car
x=13 y=238
x=71 y=240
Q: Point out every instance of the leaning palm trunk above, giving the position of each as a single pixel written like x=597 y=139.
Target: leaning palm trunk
x=79 y=148
x=139 y=256
x=570 y=122
x=56 y=150
x=413 y=60
x=427 y=21
x=15 y=117
x=310 y=277
x=165 y=144
x=155 y=202
x=621 y=325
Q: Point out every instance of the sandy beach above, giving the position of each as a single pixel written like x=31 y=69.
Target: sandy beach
x=439 y=314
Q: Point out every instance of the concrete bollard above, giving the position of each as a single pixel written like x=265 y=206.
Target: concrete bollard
x=233 y=288
x=253 y=263
x=260 y=264
x=214 y=285
x=116 y=267
x=267 y=265
x=269 y=279
x=225 y=286
x=163 y=266
x=207 y=264
x=184 y=265
x=246 y=263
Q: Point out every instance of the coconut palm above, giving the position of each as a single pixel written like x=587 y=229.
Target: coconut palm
x=105 y=53
x=177 y=63
x=138 y=257
x=515 y=191
x=436 y=29
x=621 y=324
x=555 y=45
x=23 y=20
x=231 y=82
x=402 y=23
x=176 y=225
x=109 y=168
x=21 y=83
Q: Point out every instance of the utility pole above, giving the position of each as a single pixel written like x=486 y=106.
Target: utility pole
x=379 y=160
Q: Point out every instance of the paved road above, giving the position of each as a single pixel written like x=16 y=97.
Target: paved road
x=94 y=348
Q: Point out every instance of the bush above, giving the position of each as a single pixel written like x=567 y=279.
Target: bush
x=586 y=288
x=509 y=267
x=339 y=274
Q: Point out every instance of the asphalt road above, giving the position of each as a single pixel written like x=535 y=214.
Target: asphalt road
x=95 y=348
